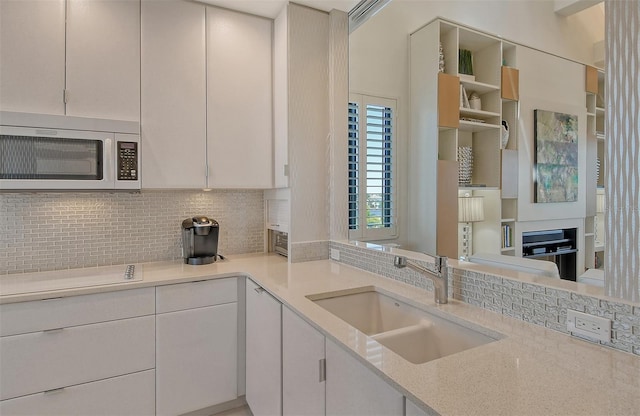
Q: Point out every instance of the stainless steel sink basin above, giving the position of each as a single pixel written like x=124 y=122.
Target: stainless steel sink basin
x=415 y=334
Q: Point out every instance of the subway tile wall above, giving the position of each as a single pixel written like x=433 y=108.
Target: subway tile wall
x=55 y=231
x=532 y=303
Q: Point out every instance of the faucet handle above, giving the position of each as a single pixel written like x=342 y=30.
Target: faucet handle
x=441 y=263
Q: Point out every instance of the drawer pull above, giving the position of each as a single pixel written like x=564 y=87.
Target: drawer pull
x=53 y=391
x=259 y=290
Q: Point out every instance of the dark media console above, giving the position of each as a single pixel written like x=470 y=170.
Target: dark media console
x=558 y=246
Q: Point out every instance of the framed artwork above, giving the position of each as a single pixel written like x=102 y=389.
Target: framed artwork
x=556 y=157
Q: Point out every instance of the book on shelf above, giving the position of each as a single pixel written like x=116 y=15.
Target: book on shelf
x=507 y=236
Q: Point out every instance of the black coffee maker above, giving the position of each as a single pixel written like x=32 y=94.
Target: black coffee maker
x=199 y=240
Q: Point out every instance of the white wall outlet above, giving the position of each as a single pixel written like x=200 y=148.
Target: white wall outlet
x=590 y=326
x=335 y=254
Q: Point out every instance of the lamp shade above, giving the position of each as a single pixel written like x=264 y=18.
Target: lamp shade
x=600 y=203
x=470 y=209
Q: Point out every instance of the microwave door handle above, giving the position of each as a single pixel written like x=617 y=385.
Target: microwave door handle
x=109 y=163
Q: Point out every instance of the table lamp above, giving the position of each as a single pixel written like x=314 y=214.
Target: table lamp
x=470 y=210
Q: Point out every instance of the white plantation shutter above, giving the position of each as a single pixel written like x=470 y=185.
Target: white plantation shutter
x=371 y=168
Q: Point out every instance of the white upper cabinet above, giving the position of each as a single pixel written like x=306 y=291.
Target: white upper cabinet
x=94 y=56
x=32 y=56
x=239 y=100
x=103 y=59
x=174 y=100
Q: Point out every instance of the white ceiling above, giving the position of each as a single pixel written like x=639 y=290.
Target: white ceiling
x=271 y=8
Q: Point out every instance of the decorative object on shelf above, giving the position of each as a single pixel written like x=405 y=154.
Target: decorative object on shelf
x=474 y=101
x=555 y=157
x=440 y=58
x=505 y=134
x=470 y=210
x=465 y=165
x=464 y=100
x=465 y=65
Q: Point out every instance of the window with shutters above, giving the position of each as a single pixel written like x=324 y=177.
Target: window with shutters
x=372 y=202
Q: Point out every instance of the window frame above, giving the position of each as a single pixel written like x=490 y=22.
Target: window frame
x=382 y=233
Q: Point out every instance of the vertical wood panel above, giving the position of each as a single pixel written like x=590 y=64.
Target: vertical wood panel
x=591 y=79
x=510 y=83
x=447 y=194
x=448 y=100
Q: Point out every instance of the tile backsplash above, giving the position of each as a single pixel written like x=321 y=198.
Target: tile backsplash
x=54 y=231
x=537 y=304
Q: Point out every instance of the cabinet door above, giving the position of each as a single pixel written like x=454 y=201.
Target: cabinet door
x=132 y=394
x=264 y=349
x=353 y=389
x=196 y=358
x=302 y=367
x=103 y=59
x=411 y=409
x=32 y=56
x=174 y=98
x=239 y=100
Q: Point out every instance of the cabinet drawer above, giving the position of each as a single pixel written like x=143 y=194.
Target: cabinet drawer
x=41 y=315
x=41 y=361
x=132 y=394
x=196 y=294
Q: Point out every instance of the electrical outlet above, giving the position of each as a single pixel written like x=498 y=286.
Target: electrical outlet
x=335 y=254
x=590 y=326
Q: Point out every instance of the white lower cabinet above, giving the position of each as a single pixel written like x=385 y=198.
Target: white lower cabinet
x=353 y=389
x=131 y=394
x=84 y=355
x=264 y=351
x=303 y=385
x=196 y=345
x=411 y=409
x=320 y=377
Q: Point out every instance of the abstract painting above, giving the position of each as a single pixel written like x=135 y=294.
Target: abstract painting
x=556 y=156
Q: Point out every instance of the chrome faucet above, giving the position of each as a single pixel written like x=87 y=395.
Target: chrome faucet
x=439 y=278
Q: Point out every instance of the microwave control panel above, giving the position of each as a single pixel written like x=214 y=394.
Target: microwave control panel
x=127 y=161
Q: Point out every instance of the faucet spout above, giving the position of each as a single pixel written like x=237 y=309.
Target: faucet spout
x=439 y=278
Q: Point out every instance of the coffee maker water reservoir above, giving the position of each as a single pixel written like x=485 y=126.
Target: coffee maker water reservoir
x=199 y=240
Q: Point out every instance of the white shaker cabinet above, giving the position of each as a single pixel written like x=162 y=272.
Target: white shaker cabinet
x=353 y=390
x=239 y=100
x=174 y=95
x=32 y=61
x=103 y=59
x=264 y=349
x=303 y=371
x=196 y=345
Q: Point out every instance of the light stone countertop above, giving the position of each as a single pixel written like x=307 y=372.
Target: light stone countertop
x=531 y=371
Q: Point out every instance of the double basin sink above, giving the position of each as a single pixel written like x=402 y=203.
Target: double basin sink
x=415 y=334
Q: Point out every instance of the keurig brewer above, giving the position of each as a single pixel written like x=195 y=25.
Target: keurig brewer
x=199 y=240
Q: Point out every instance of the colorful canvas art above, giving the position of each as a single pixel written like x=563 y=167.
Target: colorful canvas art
x=556 y=156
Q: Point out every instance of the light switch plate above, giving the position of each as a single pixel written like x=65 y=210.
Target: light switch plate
x=594 y=327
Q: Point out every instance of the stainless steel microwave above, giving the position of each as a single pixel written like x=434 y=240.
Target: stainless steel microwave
x=44 y=152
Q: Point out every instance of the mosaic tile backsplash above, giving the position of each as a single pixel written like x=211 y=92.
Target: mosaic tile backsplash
x=536 y=304
x=55 y=231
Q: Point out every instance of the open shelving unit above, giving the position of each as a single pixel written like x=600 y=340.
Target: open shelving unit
x=456 y=125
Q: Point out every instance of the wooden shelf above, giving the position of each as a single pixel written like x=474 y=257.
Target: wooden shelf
x=478 y=87
x=470 y=112
x=475 y=127
x=506 y=249
x=478 y=188
x=508 y=220
x=599 y=111
x=591 y=114
x=589 y=234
